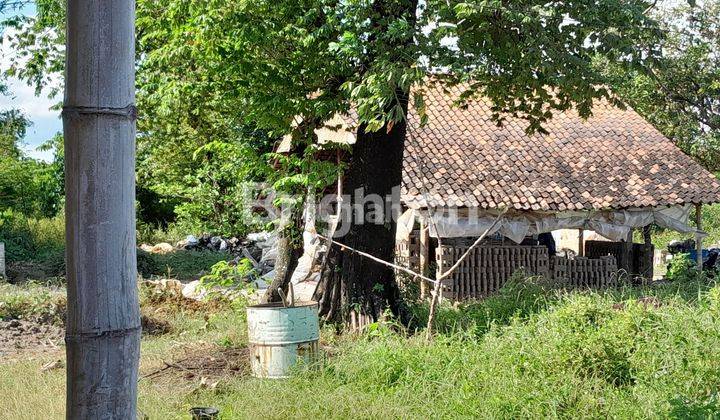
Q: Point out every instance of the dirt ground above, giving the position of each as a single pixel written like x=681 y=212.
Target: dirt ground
x=28 y=338
x=203 y=364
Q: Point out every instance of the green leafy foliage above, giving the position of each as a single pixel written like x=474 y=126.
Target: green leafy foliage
x=26 y=185
x=32 y=239
x=214 y=196
x=218 y=82
x=682 y=268
x=32 y=302
x=681 y=96
x=228 y=274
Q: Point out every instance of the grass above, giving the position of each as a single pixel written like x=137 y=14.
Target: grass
x=529 y=352
x=32 y=302
x=31 y=239
x=35 y=250
x=179 y=264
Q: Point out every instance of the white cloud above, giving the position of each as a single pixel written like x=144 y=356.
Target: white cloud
x=21 y=95
x=44 y=155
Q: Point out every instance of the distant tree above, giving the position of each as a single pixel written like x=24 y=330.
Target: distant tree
x=13 y=125
x=27 y=186
x=184 y=113
x=681 y=96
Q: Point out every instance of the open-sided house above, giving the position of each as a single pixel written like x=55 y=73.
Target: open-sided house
x=611 y=173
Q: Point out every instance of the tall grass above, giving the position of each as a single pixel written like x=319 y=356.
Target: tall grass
x=532 y=351
x=580 y=354
x=28 y=238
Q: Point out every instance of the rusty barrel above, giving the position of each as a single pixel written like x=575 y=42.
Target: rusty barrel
x=281 y=337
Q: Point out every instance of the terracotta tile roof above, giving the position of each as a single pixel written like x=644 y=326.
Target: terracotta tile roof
x=615 y=159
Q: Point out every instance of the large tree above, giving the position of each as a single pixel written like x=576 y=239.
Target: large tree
x=529 y=58
x=265 y=62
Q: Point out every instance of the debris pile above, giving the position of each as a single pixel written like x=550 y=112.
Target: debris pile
x=213 y=243
x=681 y=247
x=259 y=248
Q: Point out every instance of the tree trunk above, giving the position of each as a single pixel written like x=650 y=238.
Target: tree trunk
x=287 y=260
x=355 y=289
x=103 y=318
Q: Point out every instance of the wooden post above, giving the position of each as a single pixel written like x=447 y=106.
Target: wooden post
x=581 y=242
x=698 y=238
x=649 y=271
x=424 y=256
x=2 y=262
x=103 y=317
x=625 y=256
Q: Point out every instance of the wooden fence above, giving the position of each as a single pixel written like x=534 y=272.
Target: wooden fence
x=488 y=268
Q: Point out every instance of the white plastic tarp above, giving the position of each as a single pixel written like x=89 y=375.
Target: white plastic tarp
x=614 y=225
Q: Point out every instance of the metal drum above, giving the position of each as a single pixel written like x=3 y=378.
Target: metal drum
x=280 y=337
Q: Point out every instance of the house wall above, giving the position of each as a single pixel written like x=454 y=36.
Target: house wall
x=569 y=239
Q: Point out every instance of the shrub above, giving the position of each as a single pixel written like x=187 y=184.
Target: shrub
x=682 y=268
x=27 y=238
x=32 y=303
x=227 y=274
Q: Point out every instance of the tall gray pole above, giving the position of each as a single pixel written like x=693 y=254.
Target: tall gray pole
x=103 y=320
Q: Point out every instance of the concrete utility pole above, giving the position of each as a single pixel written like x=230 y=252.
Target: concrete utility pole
x=103 y=320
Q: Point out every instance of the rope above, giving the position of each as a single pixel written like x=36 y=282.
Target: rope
x=416 y=275
x=344 y=247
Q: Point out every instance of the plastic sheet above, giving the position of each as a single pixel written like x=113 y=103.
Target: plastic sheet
x=614 y=225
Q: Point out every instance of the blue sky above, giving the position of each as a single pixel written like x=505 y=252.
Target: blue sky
x=45 y=121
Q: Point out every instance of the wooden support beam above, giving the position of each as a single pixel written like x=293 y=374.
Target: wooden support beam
x=698 y=238
x=424 y=257
x=581 y=242
x=625 y=260
x=649 y=256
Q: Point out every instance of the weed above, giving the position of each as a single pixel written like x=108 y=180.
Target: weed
x=180 y=264
x=32 y=302
x=531 y=351
x=227 y=274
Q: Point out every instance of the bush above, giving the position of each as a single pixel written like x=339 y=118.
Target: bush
x=227 y=274
x=32 y=303
x=682 y=268
x=28 y=238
